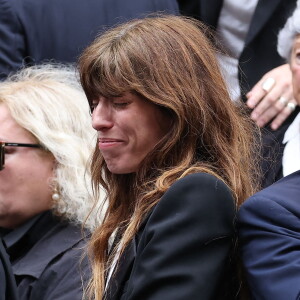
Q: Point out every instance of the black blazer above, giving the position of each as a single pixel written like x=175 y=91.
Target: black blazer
x=182 y=250
x=35 y=30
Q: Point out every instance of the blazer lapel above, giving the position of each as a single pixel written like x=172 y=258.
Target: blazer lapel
x=210 y=11
x=263 y=11
x=117 y=282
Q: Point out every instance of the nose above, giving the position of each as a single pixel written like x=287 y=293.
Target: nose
x=102 y=118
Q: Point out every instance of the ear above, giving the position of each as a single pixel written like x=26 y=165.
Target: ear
x=54 y=164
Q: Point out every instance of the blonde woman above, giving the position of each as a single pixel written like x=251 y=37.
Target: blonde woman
x=45 y=143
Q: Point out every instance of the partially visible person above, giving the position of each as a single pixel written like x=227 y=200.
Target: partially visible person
x=289 y=49
x=45 y=144
x=8 y=287
x=175 y=155
x=270 y=220
x=34 y=31
x=247 y=31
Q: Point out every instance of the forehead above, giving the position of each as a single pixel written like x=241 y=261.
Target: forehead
x=10 y=130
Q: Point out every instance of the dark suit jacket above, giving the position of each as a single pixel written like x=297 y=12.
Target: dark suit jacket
x=260 y=51
x=47 y=260
x=34 y=30
x=8 y=287
x=269 y=229
x=257 y=58
x=182 y=250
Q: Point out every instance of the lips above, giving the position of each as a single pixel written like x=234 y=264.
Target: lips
x=105 y=143
x=108 y=140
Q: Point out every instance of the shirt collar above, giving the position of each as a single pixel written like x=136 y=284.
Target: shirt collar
x=14 y=236
x=32 y=250
x=293 y=130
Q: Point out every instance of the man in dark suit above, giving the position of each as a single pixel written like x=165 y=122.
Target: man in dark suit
x=258 y=57
x=269 y=225
x=33 y=31
x=269 y=222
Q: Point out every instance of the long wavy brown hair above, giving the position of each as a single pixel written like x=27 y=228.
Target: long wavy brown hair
x=168 y=61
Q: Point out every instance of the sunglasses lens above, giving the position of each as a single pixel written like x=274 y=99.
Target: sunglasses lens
x=2 y=153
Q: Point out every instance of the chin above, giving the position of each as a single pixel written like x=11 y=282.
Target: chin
x=121 y=170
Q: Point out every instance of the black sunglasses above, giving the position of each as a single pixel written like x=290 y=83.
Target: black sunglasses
x=4 y=144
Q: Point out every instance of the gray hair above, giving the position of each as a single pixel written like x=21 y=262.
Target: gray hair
x=288 y=33
x=48 y=101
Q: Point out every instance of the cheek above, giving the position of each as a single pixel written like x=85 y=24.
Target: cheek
x=297 y=75
x=163 y=125
x=24 y=189
x=296 y=82
x=24 y=181
x=28 y=176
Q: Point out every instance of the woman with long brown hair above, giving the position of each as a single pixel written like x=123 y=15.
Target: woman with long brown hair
x=175 y=157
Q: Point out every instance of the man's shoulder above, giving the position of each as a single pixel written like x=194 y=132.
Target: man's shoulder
x=283 y=195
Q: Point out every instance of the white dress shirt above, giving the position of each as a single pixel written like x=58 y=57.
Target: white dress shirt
x=291 y=152
x=232 y=29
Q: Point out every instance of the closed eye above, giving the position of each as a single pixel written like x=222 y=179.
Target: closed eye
x=9 y=150
x=120 y=104
x=93 y=105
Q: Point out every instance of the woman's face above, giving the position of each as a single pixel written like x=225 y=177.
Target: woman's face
x=128 y=128
x=24 y=182
x=295 y=67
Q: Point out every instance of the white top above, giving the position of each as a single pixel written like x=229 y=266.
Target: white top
x=115 y=259
x=233 y=25
x=291 y=152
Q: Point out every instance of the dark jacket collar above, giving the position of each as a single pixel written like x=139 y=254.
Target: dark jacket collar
x=47 y=233
x=12 y=237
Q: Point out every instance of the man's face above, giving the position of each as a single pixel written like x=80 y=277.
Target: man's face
x=24 y=181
